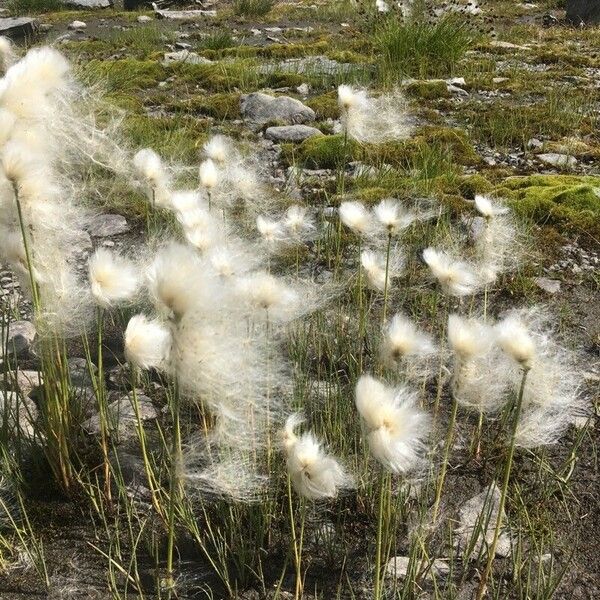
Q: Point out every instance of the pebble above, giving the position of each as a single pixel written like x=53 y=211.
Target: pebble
x=77 y=25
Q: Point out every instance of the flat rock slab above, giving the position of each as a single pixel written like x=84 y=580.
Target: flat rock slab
x=183 y=15
x=89 y=3
x=291 y=133
x=583 y=11
x=562 y=161
x=259 y=108
x=552 y=286
x=108 y=225
x=18 y=27
x=184 y=56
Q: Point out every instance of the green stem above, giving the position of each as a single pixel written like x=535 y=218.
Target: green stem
x=103 y=409
x=503 y=492
x=173 y=488
x=295 y=545
x=447 y=448
x=387 y=274
x=383 y=493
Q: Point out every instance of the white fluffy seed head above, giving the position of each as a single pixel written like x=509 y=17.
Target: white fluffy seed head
x=208 y=174
x=314 y=474
x=270 y=231
x=347 y=97
x=402 y=339
x=374 y=265
x=468 y=338
x=147 y=343
x=113 y=278
x=395 y=427
x=185 y=201
x=356 y=217
x=455 y=277
x=488 y=208
x=297 y=222
x=393 y=216
x=218 y=149
x=515 y=339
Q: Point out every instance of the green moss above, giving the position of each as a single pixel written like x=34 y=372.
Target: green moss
x=428 y=90
x=325 y=106
x=325 y=152
x=471 y=185
x=568 y=200
x=219 y=106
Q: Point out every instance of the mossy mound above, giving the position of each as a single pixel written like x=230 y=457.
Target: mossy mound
x=326 y=152
x=567 y=200
x=325 y=106
x=427 y=90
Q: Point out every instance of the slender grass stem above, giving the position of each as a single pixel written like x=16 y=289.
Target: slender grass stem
x=384 y=491
x=173 y=488
x=296 y=543
x=102 y=408
x=387 y=276
x=503 y=492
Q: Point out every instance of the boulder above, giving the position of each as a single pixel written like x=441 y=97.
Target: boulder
x=554 y=159
x=18 y=27
x=291 y=133
x=20 y=414
x=259 y=108
x=586 y=12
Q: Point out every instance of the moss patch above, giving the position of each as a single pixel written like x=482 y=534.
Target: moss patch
x=325 y=106
x=561 y=199
x=428 y=90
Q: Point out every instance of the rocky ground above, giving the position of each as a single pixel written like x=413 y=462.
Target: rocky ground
x=517 y=117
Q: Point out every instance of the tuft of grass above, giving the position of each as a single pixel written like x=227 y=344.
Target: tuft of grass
x=143 y=40
x=418 y=48
x=218 y=41
x=252 y=8
x=24 y=7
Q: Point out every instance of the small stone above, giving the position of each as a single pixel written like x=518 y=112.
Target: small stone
x=77 y=25
x=108 y=225
x=185 y=56
x=398 y=567
x=144 y=19
x=453 y=89
x=558 y=160
x=499 y=79
x=534 y=144
x=183 y=45
x=89 y=3
x=457 y=81
x=183 y=15
x=79 y=371
x=291 y=133
x=303 y=89
x=552 y=286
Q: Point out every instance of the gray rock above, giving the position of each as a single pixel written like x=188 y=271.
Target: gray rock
x=534 y=144
x=478 y=518
x=107 y=225
x=20 y=336
x=25 y=382
x=558 y=160
x=315 y=65
x=397 y=567
x=291 y=133
x=18 y=26
x=20 y=414
x=89 y=3
x=259 y=108
x=77 y=25
x=79 y=371
x=184 y=56
x=552 y=286
x=584 y=12
x=303 y=89
x=144 y=19
x=121 y=416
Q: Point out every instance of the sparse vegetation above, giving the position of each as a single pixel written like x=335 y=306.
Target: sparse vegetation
x=362 y=365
